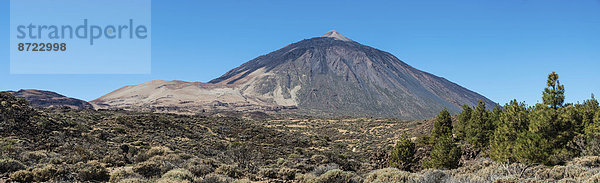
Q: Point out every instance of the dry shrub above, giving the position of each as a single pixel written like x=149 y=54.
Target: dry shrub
x=430 y=175
x=22 y=176
x=134 y=180
x=153 y=151
x=337 y=175
x=122 y=174
x=33 y=156
x=216 y=178
x=229 y=170
x=148 y=169
x=287 y=173
x=320 y=170
x=594 y=179
x=48 y=172
x=10 y=165
x=586 y=161
x=178 y=174
x=390 y=175
x=268 y=173
x=200 y=167
x=92 y=171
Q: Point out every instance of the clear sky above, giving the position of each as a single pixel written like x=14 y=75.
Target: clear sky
x=500 y=49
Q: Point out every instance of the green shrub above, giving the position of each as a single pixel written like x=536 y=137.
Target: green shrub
x=229 y=170
x=22 y=176
x=148 y=169
x=338 y=176
x=390 y=175
x=10 y=165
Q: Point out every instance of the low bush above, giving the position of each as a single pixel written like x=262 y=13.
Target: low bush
x=22 y=176
x=390 y=175
x=153 y=151
x=122 y=174
x=339 y=176
x=229 y=170
x=179 y=174
x=134 y=180
x=10 y=165
x=48 y=172
x=92 y=172
x=200 y=167
x=216 y=178
x=320 y=170
x=148 y=169
x=287 y=173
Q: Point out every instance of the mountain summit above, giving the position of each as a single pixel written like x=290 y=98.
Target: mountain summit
x=329 y=75
x=336 y=35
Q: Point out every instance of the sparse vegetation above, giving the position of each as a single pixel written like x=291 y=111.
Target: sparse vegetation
x=545 y=142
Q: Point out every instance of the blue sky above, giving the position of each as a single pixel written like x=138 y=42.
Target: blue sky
x=500 y=49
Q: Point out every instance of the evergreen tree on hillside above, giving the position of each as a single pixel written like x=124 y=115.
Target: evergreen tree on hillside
x=461 y=122
x=402 y=157
x=445 y=154
x=512 y=122
x=479 y=127
x=495 y=116
x=588 y=111
x=442 y=125
x=554 y=93
x=532 y=148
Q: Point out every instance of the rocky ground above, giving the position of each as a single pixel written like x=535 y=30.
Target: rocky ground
x=62 y=144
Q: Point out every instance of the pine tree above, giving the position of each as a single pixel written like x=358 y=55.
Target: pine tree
x=554 y=93
x=532 y=148
x=511 y=122
x=588 y=111
x=442 y=125
x=445 y=154
x=461 y=122
x=402 y=157
x=479 y=127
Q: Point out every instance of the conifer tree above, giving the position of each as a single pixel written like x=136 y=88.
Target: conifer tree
x=461 y=122
x=442 y=125
x=479 y=127
x=512 y=122
x=445 y=154
x=402 y=157
x=554 y=93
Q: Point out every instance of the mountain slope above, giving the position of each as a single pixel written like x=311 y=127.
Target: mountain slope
x=325 y=76
x=40 y=98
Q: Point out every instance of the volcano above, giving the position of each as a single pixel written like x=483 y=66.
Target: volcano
x=330 y=75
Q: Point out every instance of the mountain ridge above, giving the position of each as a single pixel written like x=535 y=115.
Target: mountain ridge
x=325 y=75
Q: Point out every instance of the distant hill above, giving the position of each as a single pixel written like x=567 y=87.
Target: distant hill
x=330 y=75
x=40 y=98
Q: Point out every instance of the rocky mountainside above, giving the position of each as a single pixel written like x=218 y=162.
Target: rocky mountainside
x=329 y=75
x=40 y=98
